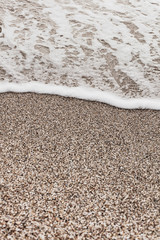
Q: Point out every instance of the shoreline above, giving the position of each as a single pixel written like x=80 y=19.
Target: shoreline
x=83 y=93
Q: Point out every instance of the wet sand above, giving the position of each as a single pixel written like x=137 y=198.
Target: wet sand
x=75 y=169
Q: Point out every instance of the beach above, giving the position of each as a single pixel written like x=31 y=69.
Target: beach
x=79 y=120
x=76 y=169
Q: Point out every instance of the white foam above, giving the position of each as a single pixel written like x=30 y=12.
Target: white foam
x=108 y=49
x=85 y=93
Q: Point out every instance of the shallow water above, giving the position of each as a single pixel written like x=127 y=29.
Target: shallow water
x=110 y=46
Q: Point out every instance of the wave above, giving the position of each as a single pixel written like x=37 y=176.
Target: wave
x=98 y=50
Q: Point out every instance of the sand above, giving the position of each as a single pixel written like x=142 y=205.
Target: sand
x=74 y=169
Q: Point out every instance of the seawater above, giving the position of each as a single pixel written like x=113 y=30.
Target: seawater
x=99 y=50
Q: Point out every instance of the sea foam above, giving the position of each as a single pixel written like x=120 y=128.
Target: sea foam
x=85 y=93
x=105 y=51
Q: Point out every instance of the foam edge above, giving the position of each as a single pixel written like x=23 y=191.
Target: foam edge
x=85 y=93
